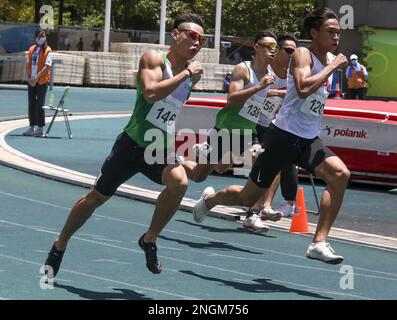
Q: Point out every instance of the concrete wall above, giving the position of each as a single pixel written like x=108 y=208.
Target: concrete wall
x=111 y=69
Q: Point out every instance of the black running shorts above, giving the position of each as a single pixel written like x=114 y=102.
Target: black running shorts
x=124 y=161
x=283 y=148
x=261 y=134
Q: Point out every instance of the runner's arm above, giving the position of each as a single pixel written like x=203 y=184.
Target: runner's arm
x=237 y=94
x=305 y=82
x=195 y=79
x=277 y=93
x=150 y=75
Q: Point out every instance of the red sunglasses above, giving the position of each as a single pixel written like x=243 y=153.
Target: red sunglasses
x=195 y=36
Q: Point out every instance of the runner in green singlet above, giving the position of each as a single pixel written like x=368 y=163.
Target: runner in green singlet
x=164 y=83
x=237 y=120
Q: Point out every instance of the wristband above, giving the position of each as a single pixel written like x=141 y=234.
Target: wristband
x=190 y=72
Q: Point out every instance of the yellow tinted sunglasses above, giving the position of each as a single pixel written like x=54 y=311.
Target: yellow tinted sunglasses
x=269 y=45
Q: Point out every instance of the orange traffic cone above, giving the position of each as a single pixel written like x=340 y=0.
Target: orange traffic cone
x=299 y=219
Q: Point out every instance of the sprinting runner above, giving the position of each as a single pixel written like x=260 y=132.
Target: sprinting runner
x=288 y=175
x=247 y=92
x=164 y=82
x=293 y=136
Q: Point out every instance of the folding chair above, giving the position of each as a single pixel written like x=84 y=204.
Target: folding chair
x=59 y=108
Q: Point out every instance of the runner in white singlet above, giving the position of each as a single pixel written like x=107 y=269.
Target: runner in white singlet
x=294 y=135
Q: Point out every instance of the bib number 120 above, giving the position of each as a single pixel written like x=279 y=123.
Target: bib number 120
x=316 y=107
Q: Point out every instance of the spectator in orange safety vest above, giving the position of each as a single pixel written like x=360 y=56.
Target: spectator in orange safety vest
x=356 y=74
x=38 y=67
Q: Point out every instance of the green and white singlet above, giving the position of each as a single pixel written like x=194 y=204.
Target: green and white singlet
x=161 y=114
x=246 y=115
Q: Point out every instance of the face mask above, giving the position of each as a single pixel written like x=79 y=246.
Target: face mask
x=354 y=62
x=40 y=41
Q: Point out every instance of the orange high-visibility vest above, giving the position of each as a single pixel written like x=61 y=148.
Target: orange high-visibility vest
x=357 y=80
x=42 y=57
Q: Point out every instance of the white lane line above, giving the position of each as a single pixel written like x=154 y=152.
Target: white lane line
x=214 y=254
x=146 y=225
x=33 y=200
x=301 y=266
x=208 y=238
x=316 y=289
x=116 y=261
x=191 y=235
x=182 y=233
x=40 y=251
x=102 y=278
x=198 y=251
x=58 y=279
x=98 y=237
x=375 y=271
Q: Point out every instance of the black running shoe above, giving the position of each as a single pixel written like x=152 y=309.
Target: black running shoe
x=54 y=260
x=150 y=249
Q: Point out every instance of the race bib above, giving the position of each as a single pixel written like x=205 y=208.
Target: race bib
x=164 y=113
x=252 y=109
x=271 y=106
x=314 y=104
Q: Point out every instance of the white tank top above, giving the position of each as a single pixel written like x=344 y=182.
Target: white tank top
x=294 y=115
x=279 y=83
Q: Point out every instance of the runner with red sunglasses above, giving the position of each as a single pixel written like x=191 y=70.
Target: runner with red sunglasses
x=164 y=82
x=195 y=36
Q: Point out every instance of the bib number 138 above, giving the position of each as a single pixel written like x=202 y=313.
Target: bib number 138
x=254 y=111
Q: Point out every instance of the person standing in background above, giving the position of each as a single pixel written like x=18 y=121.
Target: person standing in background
x=80 y=44
x=96 y=43
x=356 y=74
x=38 y=68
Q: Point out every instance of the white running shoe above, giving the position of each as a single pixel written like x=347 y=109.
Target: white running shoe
x=324 y=252
x=255 y=223
x=38 y=133
x=200 y=209
x=269 y=214
x=28 y=132
x=286 y=210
